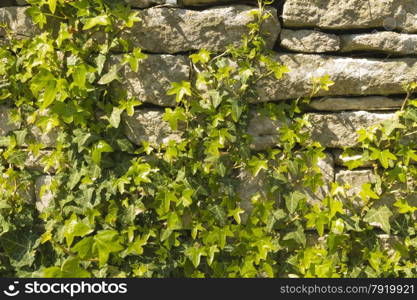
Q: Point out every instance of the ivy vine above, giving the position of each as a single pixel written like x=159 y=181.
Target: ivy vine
x=176 y=209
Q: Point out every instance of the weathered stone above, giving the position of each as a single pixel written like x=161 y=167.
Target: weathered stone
x=309 y=41
x=353 y=182
x=263 y=131
x=392 y=245
x=6 y=125
x=36 y=163
x=354 y=179
x=356 y=103
x=17 y=20
x=153 y=80
x=386 y=41
x=173 y=30
x=336 y=130
x=340 y=130
x=251 y=186
x=44 y=196
x=147 y=125
x=353 y=14
x=326 y=166
x=47 y=139
x=352 y=76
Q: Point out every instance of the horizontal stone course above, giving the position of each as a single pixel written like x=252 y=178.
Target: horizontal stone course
x=356 y=103
x=173 y=30
x=351 y=76
x=309 y=41
x=154 y=78
x=332 y=130
x=340 y=130
x=353 y=14
x=385 y=41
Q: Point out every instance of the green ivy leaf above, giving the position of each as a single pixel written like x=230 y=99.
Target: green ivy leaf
x=107 y=242
x=180 y=89
x=292 y=200
x=52 y=5
x=379 y=217
x=98 y=20
x=110 y=76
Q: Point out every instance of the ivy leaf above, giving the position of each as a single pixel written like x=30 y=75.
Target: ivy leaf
x=237 y=110
x=202 y=56
x=69 y=269
x=194 y=255
x=84 y=248
x=110 y=76
x=292 y=200
x=114 y=119
x=98 y=20
x=257 y=165
x=19 y=246
x=37 y=15
x=173 y=116
x=367 y=192
x=73 y=228
x=379 y=217
x=106 y=242
x=180 y=89
x=51 y=91
x=298 y=236
x=52 y=5
x=98 y=149
x=385 y=157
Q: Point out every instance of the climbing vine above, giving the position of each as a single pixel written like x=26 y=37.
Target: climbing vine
x=179 y=208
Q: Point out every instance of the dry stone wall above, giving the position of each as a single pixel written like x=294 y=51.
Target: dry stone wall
x=367 y=47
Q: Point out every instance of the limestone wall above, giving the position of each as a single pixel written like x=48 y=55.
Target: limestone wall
x=367 y=47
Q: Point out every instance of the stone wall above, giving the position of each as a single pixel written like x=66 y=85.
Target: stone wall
x=367 y=47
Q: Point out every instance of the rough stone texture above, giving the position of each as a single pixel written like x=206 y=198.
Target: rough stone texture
x=356 y=103
x=337 y=130
x=354 y=180
x=352 y=76
x=5 y=125
x=388 y=42
x=147 y=125
x=153 y=80
x=17 y=20
x=309 y=41
x=48 y=139
x=326 y=166
x=263 y=131
x=35 y=163
x=43 y=201
x=340 y=130
x=352 y=14
x=173 y=30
